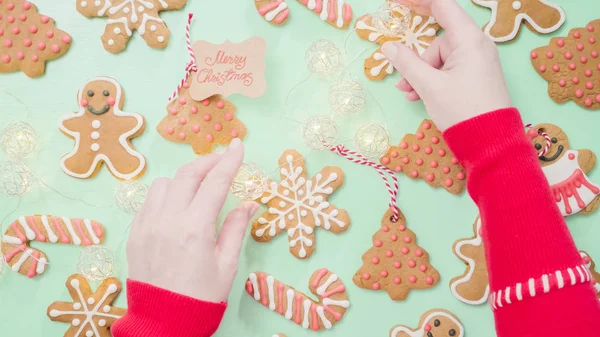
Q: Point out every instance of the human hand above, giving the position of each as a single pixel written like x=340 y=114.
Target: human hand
x=173 y=243
x=460 y=76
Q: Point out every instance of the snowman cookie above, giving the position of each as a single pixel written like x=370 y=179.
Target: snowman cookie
x=435 y=322
x=566 y=170
x=102 y=133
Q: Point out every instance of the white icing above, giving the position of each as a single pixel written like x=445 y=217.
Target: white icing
x=477 y=241
x=273 y=13
x=330 y=302
x=493 y=5
x=22 y=260
x=271 y=291
x=161 y=39
x=11 y=239
x=41 y=266
x=374 y=35
x=141 y=9
x=153 y=28
x=83 y=4
x=326 y=323
x=89 y=333
x=290 y=302
x=123 y=139
x=516 y=5
x=97 y=3
x=111 y=42
x=75 y=322
x=106 y=308
x=51 y=235
x=76 y=305
x=412 y=37
x=254 y=280
x=95 y=147
x=90 y=229
x=69 y=225
x=102 y=322
x=91 y=300
x=96 y=124
x=29 y=233
x=145 y=19
x=122 y=21
x=332 y=278
x=385 y=64
x=95 y=135
x=117 y=30
x=306 y=305
x=421 y=332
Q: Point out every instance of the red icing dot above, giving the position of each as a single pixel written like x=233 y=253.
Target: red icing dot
x=429 y=280
x=378 y=243
x=27 y=42
x=579 y=93
x=416 y=147
x=67 y=39
x=394 y=237
x=590 y=28
x=22 y=17
x=446 y=169
x=220 y=104
x=419 y=162
x=16 y=30
x=10 y=6
x=33 y=29
x=549 y=54
x=589 y=85
x=389 y=253
x=1 y=30
x=376 y=286
x=441 y=152
x=375 y=260
x=41 y=45
x=426 y=125
x=45 y=19
x=534 y=55
x=110 y=101
x=404 y=250
x=182 y=101
x=5 y=58
x=397 y=280
x=418 y=253
x=412 y=263
x=427 y=327
x=598 y=98
x=49 y=34
x=384 y=273
x=20 y=55
x=402 y=228
x=173 y=111
x=568 y=55
x=397 y=264
x=55 y=48
x=412 y=279
x=205 y=102
x=385 y=229
x=186 y=85
x=577 y=35
x=592 y=40
x=575 y=79
x=207 y=118
x=181 y=136
x=594 y=54
x=182 y=121
x=583 y=59
x=423 y=268
x=448 y=182
x=218 y=127
x=542 y=68
x=26 y=5
x=572 y=66
x=460 y=176
x=407 y=239
x=580 y=46
x=403 y=145
x=234 y=133
x=428 y=150
x=209 y=138
x=433 y=164
x=194 y=110
x=405 y=160
x=560 y=43
x=35 y=58
x=398 y=168
x=588 y=102
x=170 y=130
x=414 y=174
x=366 y=276
x=196 y=128
x=562 y=83
x=394 y=154
x=429 y=177
x=588 y=73
x=10 y=18
x=435 y=140
x=8 y=43
x=420 y=135
x=385 y=160
x=454 y=160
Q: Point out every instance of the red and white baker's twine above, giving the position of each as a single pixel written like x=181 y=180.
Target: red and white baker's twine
x=358 y=158
x=191 y=66
x=542 y=285
x=547 y=137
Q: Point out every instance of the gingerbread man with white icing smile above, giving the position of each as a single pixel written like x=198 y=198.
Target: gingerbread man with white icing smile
x=102 y=133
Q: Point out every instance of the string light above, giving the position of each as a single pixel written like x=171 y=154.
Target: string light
x=323 y=58
x=391 y=19
x=18 y=139
x=15 y=178
x=347 y=97
x=250 y=182
x=96 y=263
x=320 y=132
x=372 y=141
x=130 y=196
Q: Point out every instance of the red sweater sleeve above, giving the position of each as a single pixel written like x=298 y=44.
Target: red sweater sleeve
x=530 y=252
x=153 y=311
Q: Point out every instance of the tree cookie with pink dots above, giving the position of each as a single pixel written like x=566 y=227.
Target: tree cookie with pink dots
x=126 y=16
x=426 y=155
x=396 y=263
x=202 y=124
x=435 y=322
x=28 y=39
x=571 y=65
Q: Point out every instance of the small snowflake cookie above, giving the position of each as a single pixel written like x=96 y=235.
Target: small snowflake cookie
x=297 y=205
x=507 y=16
x=90 y=314
x=435 y=322
x=418 y=37
x=125 y=16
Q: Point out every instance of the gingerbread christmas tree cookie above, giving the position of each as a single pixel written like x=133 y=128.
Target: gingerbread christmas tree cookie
x=28 y=39
x=426 y=155
x=395 y=263
x=297 y=205
x=126 y=16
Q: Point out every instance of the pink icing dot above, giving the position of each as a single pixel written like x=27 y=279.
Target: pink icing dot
x=423 y=268
x=435 y=140
x=378 y=243
x=407 y=239
x=429 y=177
x=397 y=280
x=229 y=117
x=110 y=101
x=588 y=73
x=170 y=130
x=580 y=46
x=220 y=104
x=592 y=40
x=405 y=160
x=448 y=182
x=35 y=58
x=542 y=68
x=26 y=5
x=575 y=80
x=588 y=102
x=394 y=154
x=207 y=118
x=534 y=55
x=397 y=264
x=414 y=174
x=218 y=127
x=550 y=54
x=427 y=327
x=416 y=147
x=44 y=19
x=16 y=30
x=5 y=58
x=428 y=150
x=385 y=160
x=182 y=121
x=8 y=43
x=366 y=276
x=375 y=260
x=1 y=30
x=55 y=48
x=33 y=29
x=186 y=85
x=560 y=43
x=412 y=279
x=419 y=162
x=598 y=98
x=426 y=125
x=441 y=152
x=181 y=136
x=454 y=160
x=27 y=42
x=590 y=28
x=404 y=250
x=420 y=135
x=173 y=111
x=209 y=138
x=205 y=102
x=562 y=83
x=412 y=263
x=384 y=273
x=389 y=253
x=194 y=110
x=446 y=169
x=182 y=100
x=234 y=133
x=84 y=103
x=402 y=228
x=571 y=156
x=583 y=59
x=433 y=164
x=594 y=54
x=41 y=45
x=49 y=34
x=572 y=66
x=579 y=93
x=385 y=229
x=568 y=55
x=20 y=55
x=376 y=286
x=66 y=39
x=418 y=253
x=398 y=168
x=22 y=17
x=460 y=176
x=589 y=85
x=555 y=68
x=429 y=280
x=577 y=35
x=403 y=145
x=196 y=128
x=394 y=237
x=10 y=6
x=10 y=19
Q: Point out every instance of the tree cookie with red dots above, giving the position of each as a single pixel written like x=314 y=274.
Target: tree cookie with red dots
x=28 y=39
x=571 y=65
x=435 y=322
x=542 y=16
x=395 y=263
x=591 y=266
x=273 y=11
x=203 y=124
x=297 y=306
x=566 y=170
x=102 y=132
x=298 y=205
x=126 y=16
x=426 y=155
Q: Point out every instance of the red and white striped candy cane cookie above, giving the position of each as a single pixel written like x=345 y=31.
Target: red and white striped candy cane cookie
x=273 y=11
x=335 y=12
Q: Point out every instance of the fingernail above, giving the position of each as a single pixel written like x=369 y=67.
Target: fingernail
x=390 y=50
x=235 y=143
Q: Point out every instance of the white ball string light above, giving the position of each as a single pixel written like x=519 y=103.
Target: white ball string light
x=347 y=97
x=323 y=58
x=18 y=139
x=250 y=182
x=320 y=133
x=15 y=178
x=372 y=141
x=96 y=263
x=130 y=196
x=392 y=19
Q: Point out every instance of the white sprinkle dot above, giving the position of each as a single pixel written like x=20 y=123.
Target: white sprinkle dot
x=95 y=147
x=111 y=42
x=97 y=3
x=153 y=28
x=141 y=9
x=126 y=10
x=75 y=322
x=95 y=135
x=282 y=204
x=84 y=4
x=516 y=5
x=291 y=216
x=89 y=333
x=102 y=322
x=106 y=308
x=117 y=30
x=76 y=305
x=161 y=39
x=303 y=213
x=91 y=300
x=300 y=192
x=96 y=124
x=286 y=192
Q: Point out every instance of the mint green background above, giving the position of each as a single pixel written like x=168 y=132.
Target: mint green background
x=149 y=76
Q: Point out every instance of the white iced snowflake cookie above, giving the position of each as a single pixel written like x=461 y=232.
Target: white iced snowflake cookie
x=297 y=205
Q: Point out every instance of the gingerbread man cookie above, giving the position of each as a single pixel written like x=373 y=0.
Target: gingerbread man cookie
x=337 y=13
x=426 y=155
x=566 y=171
x=125 y=16
x=507 y=15
x=28 y=38
x=395 y=263
x=418 y=37
x=298 y=205
x=591 y=267
x=435 y=322
x=91 y=314
x=298 y=307
x=570 y=65
x=102 y=133
x=273 y=11
x=32 y=262
x=472 y=287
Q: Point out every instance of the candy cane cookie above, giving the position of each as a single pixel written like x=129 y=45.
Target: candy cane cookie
x=298 y=307
x=335 y=12
x=48 y=229
x=273 y=11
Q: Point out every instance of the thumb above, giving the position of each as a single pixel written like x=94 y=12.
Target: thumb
x=231 y=236
x=410 y=65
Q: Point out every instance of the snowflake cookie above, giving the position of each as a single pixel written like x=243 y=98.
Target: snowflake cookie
x=418 y=37
x=91 y=314
x=298 y=205
x=125 y=16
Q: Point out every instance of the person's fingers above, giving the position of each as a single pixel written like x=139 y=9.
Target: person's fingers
x=231 y=236
x=420 y=6
x=433 y=54
x=404 y=86
x=154 y=200
x=412 y=67
x=412 y=96
x=212 y=193
x=188 y=179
